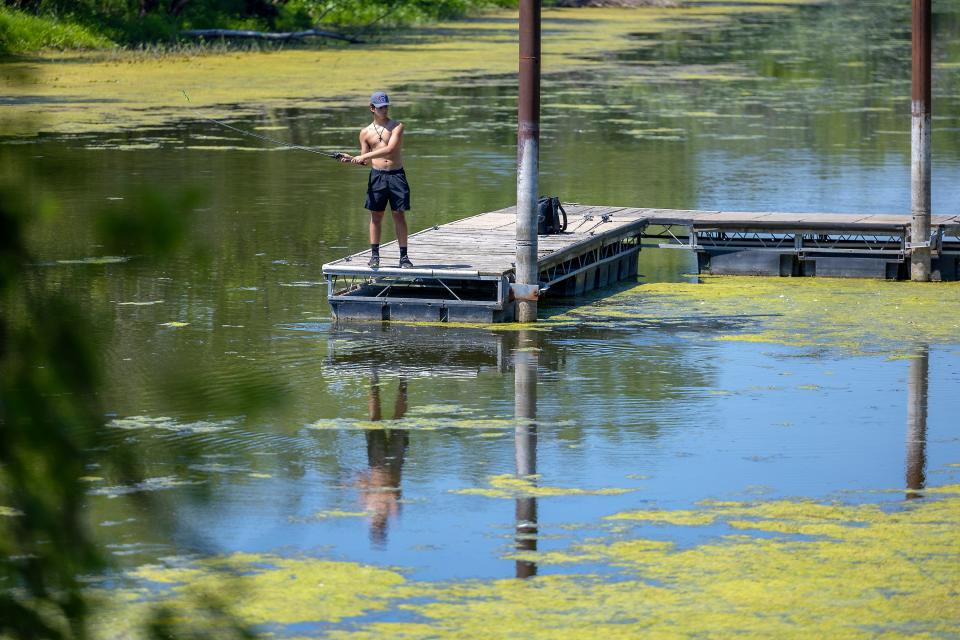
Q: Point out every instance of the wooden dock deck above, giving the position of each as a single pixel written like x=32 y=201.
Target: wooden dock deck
x=464 y=269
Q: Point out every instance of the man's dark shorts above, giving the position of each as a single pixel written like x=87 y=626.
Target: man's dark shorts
x=387 y=186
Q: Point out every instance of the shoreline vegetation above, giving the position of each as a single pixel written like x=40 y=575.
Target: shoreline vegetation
x=32 y=26
x=126 y=88
x=28 y=26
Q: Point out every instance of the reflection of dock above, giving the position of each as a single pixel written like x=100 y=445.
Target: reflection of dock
x=465 y=269
x=415 y=352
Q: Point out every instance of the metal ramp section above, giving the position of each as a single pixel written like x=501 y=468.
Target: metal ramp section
x=465 y=269
x=837 y=245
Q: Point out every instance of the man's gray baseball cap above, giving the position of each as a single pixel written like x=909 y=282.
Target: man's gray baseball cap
x=379 y=99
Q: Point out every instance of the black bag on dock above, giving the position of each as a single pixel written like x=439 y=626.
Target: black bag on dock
x=548 y=216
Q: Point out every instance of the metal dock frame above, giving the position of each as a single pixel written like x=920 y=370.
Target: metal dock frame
x=880 y=251
x=593 y=264
x=419 y=295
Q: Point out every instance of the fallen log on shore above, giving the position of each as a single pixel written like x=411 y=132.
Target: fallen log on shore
x=267 y=35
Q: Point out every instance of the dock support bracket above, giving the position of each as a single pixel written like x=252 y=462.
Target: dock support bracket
x=527 y=292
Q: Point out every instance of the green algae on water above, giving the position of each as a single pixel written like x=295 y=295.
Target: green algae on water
x=426 y=422
x=96 y=260
x=158 y=483
x=845 y=571
x=676 y=517
x=263 y=590
x=164 y=423
x=73 y=93
x=511 y=487
x=788 y=566
x=854 y=315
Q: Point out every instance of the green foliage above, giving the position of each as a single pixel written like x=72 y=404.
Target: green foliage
x=53 y=431
x=29 y=25
x=21 y=31
x=48 y=418
x=390 y=12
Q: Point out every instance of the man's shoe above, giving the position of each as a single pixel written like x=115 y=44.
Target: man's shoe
x=373 y=262
x=405 y=262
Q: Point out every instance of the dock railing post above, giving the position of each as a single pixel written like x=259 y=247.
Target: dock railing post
x=528 y=155
x=920 y=109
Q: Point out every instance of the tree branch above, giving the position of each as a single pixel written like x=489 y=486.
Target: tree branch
x=267 y=35
x=396 y=5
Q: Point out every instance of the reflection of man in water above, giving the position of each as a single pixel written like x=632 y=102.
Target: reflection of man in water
x=386 y=448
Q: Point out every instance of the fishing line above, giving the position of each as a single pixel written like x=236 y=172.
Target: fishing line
x=335 y=155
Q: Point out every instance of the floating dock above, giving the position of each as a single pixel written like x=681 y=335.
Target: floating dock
x=464 y=269
x=804 y=244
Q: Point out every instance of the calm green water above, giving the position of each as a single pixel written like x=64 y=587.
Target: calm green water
x=805 y=112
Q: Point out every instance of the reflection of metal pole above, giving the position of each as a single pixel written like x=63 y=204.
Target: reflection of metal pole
x=528 y=154
x=526 y=361
x=917 y=421
x=921 y=110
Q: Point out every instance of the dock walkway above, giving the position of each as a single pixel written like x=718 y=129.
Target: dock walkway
x=464 y=269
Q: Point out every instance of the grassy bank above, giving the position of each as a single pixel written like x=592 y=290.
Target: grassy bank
x=21 y=32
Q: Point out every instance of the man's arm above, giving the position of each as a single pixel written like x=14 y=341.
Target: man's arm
x=364 y=148
x=396 y=139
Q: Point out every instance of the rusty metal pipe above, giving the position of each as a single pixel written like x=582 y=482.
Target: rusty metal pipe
x=920 y=109
x=528 y=154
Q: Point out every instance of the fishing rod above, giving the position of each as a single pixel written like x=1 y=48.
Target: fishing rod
x=337 y=155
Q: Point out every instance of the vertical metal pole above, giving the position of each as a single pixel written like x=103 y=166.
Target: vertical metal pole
x=526 y=362
x=528 y=154
x=920 y=110
x=917 y=422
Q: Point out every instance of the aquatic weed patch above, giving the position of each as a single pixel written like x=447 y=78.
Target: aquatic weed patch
x=413 y=423
x=262 y=591
x=70 y=93
x=867 y=571
x=790 y=566
x=164 y=423
x=859 y=316
x=432 y=417
x=511 y=487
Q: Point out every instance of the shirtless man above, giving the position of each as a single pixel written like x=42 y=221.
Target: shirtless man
x=381 y=142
